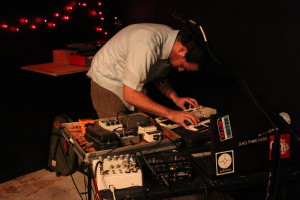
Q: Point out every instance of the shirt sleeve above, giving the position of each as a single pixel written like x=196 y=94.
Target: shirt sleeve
x=140 y=59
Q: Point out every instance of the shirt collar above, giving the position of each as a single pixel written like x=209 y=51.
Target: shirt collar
x=167 y=48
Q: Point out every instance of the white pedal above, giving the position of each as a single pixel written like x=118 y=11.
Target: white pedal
x=149 y=133
x=152 y=136
x=117 y=171
x=110 y=124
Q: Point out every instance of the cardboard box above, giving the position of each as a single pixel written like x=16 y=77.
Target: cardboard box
x=62 y=56
x=81 y=60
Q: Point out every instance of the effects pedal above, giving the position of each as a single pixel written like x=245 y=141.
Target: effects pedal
x=135 y=120
x=127 y=136
x=118 y=171
x=85 y=123
x=110 y=124
x=171 y=167
x=149 y=133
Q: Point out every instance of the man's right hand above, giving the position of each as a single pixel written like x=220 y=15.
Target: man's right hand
x=183 y=117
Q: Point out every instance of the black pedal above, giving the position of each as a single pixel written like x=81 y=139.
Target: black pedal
x=127 y=136
x=101 y=138
x=135 y=120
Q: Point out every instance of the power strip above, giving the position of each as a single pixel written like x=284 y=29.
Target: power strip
x=118 y=172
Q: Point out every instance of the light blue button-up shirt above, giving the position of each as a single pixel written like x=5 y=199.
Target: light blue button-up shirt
x=137 y=54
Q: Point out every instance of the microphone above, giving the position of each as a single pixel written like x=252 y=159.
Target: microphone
x=194 y=26
x=183 y=18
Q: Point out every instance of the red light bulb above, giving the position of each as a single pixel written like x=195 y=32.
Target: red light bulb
x=14 y=29
x=23 y=20
x=69 y=8
x=93 y=12
x=50 y=24
x=65 y=17
x=4 y=26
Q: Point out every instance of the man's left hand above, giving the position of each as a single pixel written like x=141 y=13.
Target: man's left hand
x=182 y=101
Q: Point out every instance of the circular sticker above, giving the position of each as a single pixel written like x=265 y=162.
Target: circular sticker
x=224 y=161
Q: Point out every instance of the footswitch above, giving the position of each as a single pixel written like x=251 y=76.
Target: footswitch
x=117 y=171
x=149 y=133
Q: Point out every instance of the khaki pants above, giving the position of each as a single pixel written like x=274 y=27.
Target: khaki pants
x=105 y=102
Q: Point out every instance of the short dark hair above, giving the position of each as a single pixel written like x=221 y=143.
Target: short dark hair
x=196 y=51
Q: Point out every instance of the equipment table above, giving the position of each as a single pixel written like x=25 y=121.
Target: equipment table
x=55 y=69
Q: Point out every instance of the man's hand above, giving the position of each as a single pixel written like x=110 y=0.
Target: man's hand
x=166 y=88
x=144 y=103
x=183 y=117
x=182 y=101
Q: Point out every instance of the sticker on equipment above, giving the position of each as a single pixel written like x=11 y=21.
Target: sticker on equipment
x=224 y=162
x=224 y=128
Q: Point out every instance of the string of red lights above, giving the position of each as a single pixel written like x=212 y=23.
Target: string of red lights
x=63 y=15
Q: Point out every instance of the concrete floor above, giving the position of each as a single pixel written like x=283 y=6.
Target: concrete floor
x=45 y=185
x=42 y=185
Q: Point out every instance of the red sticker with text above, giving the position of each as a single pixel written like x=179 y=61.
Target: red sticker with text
x=285 y=146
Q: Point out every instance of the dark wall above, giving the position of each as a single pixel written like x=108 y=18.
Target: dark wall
x=29 y=100
x=258 y=39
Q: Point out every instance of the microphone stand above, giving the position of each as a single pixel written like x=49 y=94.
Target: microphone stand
x=273 y=173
